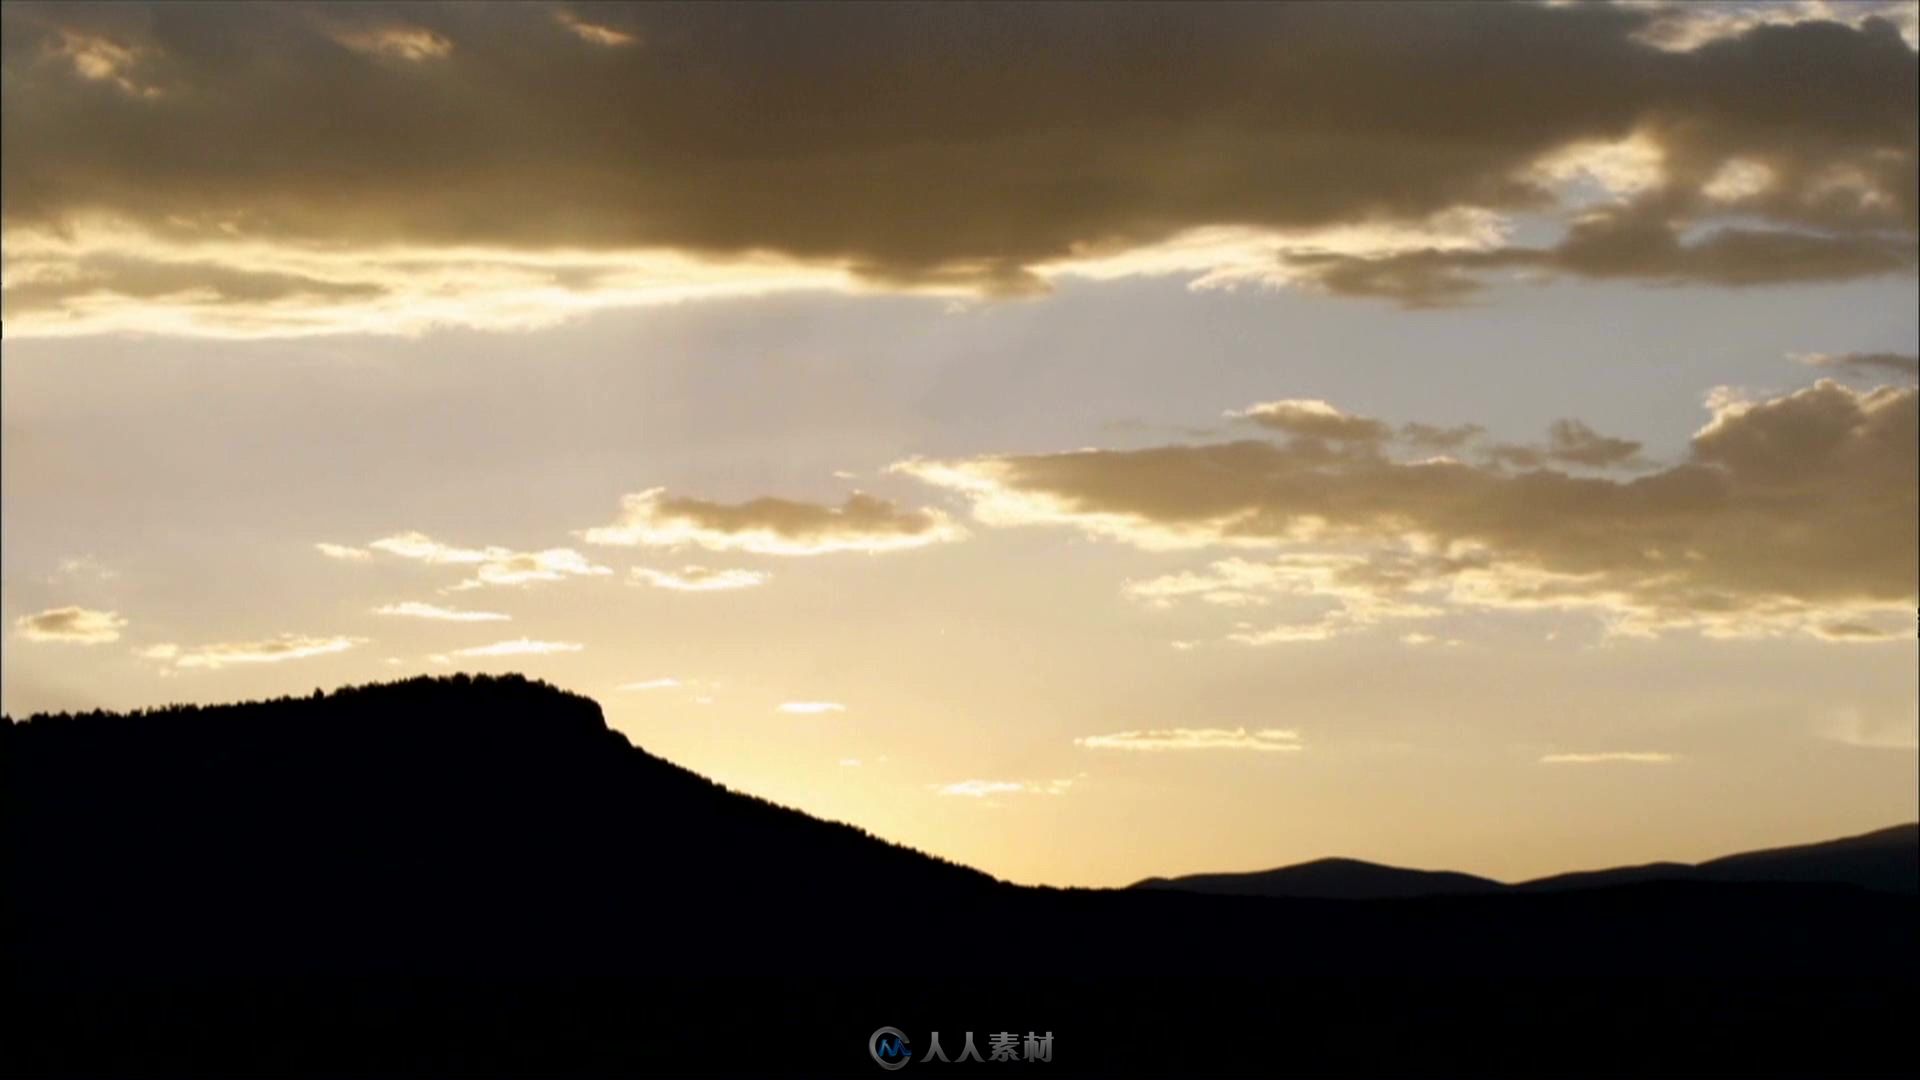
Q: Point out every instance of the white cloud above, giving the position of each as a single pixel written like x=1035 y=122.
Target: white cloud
x=343 y=551
x=1263 y=739
x=650 y=684
x=492 y=565
x=521 y=647
x=595 y=33
x=1638 y=757
x=772 y=526
x=71 y=625
x=271 y=651
x=1313 y=418
x=410 y=43
x=811 y=708
x=699 y=578
x=81 y=568
x=1620 y=168
x=417 y=610
x=980 y=789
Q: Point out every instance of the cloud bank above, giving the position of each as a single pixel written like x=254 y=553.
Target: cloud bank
x=1794 y=514
x=403 y=166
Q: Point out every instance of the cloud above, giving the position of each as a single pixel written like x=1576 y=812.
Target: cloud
x=1794 y=514
x=1349 y=601
x=951 y=149
x=271 y=651
x=521 y=647
x=595 y=33
x=1632 y=243
x=411 y=43
x=81 y=568
x=811 y=708
x=699 y=578
x=71 y=625
x=980 y=789
x=1438 y=437
x=1575 y=443
x=1873 y=363
x=492 y=565
x=769 y=526
x=1853 y=631
x=1682 y=25
x=1315 y=419
x=100 y=59
x=1609 y=757
x=651 y=684
x=1569 y=442
x=343 y=552
x=1265 y=740
x=416 y=610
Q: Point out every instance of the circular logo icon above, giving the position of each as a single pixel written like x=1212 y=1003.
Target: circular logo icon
x=889 y=1048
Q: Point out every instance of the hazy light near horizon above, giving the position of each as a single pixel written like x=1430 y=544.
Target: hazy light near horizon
x=1605 y=757
x=521 y=647
x=811 y=708
x=414 y=609
x=981 y=789
x=773 y=526
x=276 y=650
x=699 y=578
x=1159 y=739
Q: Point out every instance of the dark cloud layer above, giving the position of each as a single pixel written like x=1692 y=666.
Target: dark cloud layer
x=1623 y=245
x=1874 y=363
x=952 y=143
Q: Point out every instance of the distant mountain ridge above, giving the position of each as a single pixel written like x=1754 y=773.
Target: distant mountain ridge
x=1330 y=879
x=496 y=826
x=1885 y=860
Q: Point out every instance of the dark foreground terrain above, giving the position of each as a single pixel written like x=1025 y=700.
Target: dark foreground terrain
x=476 y=875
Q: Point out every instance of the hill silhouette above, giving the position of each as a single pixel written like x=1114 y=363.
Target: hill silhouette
x=1335 y=879
x=486 y=825
x=1885 y=860
x=470 y=873
x=457 y=824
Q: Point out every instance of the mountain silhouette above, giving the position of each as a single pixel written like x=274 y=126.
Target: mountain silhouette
x=496 y=824
x=457 y=824
x=1885 y=860
x=1336 y=879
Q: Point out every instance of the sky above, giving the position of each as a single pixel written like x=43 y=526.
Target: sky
x=1083 y=442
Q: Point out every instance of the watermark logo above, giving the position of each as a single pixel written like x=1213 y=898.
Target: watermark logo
x=892 y=1050
x=889 y=1048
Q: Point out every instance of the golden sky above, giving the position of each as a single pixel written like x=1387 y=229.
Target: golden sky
x=1082 y=441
